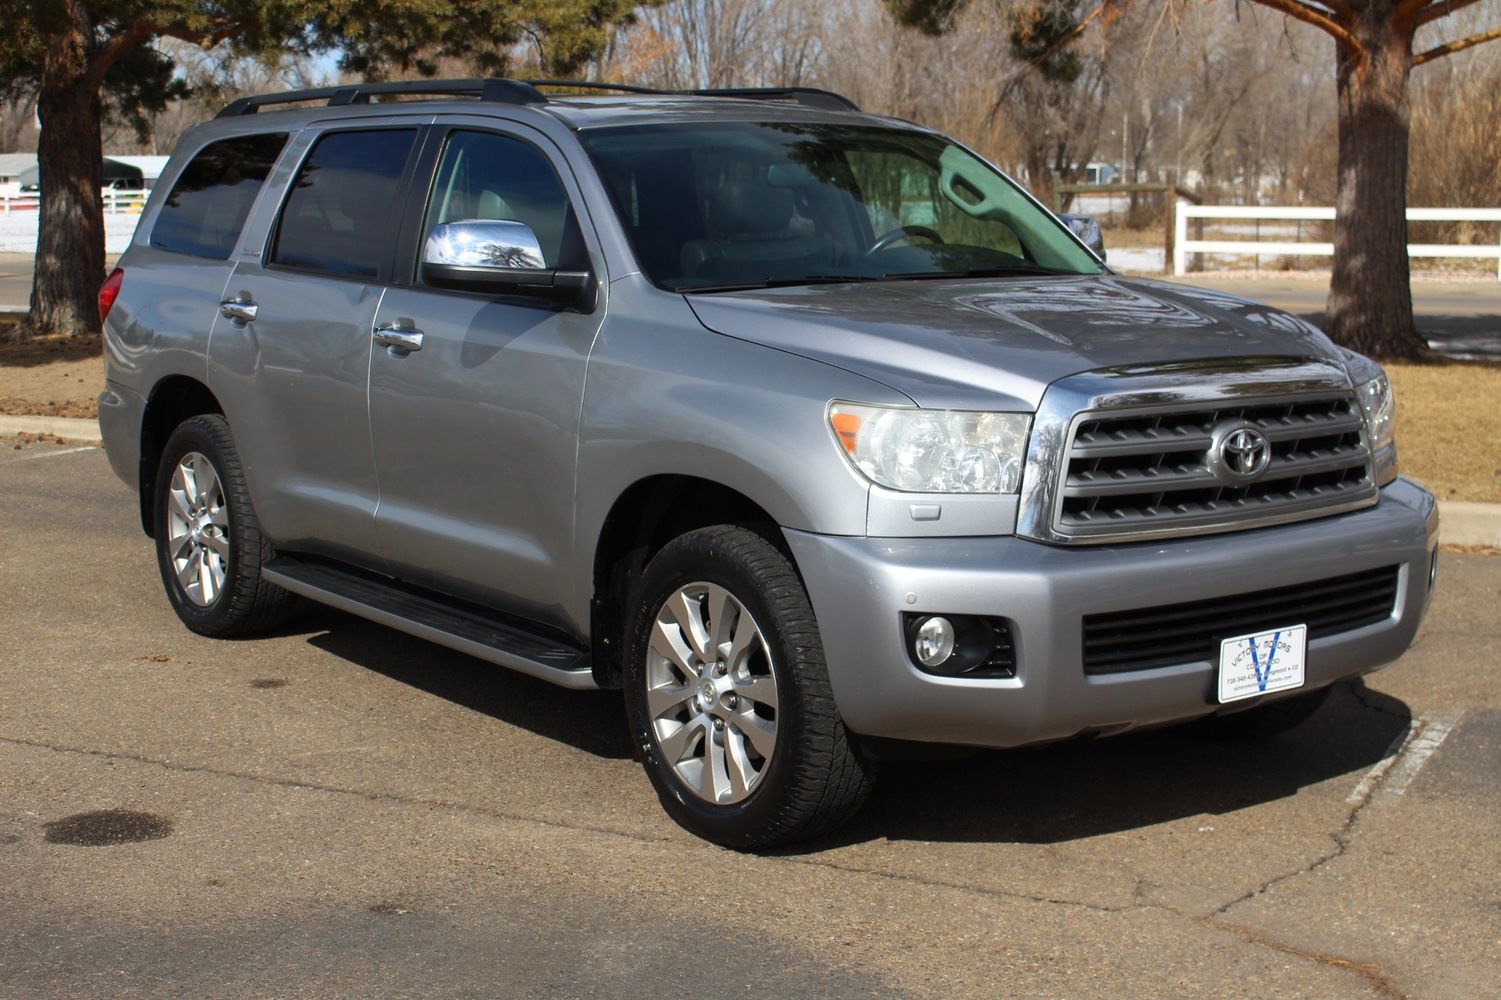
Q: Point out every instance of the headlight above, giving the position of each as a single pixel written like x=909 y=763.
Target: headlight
x=933 y=451
x=1380 y=412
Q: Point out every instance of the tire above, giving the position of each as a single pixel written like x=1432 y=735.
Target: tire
x=209 y=546
x=786 y=769
x=1264 y=721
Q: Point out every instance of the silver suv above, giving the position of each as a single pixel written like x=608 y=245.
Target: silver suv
x=809 y=429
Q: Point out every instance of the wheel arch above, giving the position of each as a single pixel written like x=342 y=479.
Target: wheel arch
x=173 y=399
x=646 y=516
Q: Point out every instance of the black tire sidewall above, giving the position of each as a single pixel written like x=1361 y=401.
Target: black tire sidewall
x=197 y=435
x=741 y=824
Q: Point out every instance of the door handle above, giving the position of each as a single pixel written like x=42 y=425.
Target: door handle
x=240 y=309
x=400 y=337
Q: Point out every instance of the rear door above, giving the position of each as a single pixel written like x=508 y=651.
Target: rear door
x=476 y=433
x=291 y=357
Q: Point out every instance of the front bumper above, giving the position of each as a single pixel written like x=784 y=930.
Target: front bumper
x=860 y=587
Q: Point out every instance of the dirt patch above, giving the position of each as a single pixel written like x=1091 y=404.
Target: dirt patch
x=49 y=376
x=1449 y=428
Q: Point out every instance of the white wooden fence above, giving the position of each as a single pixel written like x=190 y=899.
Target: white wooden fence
x=115 y=202
x=1183 y=246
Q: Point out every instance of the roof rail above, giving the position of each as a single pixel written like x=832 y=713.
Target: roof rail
x=501 y=91
x=810 y=97
x=493 y=90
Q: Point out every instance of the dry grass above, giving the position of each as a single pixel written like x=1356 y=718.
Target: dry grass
x=1133 y=239
x=49 y=376
x=1449 y=428
x=1448 y=416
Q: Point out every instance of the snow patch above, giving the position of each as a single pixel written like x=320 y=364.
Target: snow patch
x=18 y=231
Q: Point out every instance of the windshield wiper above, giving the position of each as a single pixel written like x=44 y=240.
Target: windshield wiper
x=806 y=279
x=1002 y=271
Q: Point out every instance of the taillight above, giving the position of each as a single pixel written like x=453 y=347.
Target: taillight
x=109 y=291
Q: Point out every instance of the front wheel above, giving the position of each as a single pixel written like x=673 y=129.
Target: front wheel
x=728 y=697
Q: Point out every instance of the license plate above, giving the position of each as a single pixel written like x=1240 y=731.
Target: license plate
x=1262 y=662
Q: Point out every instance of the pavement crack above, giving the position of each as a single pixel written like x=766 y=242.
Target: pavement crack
x=1362 y=695
x=932 y=883
x=315 y=786
x=1364 y=793
x=376 y=796
x=1371 y=971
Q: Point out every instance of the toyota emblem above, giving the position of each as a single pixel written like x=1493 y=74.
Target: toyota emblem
x=1241 y=452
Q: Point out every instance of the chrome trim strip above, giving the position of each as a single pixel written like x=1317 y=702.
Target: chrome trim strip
x=1164 y=388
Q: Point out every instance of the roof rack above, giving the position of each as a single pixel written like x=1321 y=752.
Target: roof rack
x=499 y=91
x=493 y=90
x=811 y=97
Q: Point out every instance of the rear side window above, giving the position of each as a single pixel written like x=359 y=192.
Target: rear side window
x=340 y=216
x=208 y=204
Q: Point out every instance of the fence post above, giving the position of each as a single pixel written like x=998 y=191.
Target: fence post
x=1180 y=236
x=1169 y=227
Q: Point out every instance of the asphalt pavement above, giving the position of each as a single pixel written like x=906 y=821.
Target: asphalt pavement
x=340 y=810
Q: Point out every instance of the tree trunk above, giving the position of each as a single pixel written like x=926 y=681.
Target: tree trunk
x=1370 y=296
x=70 y=234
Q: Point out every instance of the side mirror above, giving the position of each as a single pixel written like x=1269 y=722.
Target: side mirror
x=1087 y=228
x=504 y=257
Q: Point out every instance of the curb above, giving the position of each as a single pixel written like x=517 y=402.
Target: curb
x=1468 y=523
x=69 y=428
x=1460 y=522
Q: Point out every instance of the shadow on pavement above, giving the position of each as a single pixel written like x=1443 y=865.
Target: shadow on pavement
x=1083 y=788
x=1041 y=795
x=592 y=721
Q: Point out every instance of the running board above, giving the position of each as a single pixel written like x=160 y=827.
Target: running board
x=429 y=618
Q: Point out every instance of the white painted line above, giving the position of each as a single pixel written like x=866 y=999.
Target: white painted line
x=1404 y=758
x=54 y=454
x=1372 y=777
x=1435 y=731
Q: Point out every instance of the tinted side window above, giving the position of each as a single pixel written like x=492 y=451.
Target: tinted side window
x=208 y=204
x=340 y=215
x=489 y=176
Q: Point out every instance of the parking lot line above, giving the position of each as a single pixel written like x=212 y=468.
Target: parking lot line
x=54 y=454
x=1405 y=757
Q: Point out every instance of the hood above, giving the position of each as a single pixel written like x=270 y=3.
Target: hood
x=997 y=344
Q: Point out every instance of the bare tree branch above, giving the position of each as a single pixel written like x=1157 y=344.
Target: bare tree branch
x=1052 y=50
x=140 y=30
x=205 y=38
x=1441 y=8
x=1455 y=46
x=1319 y=18
x=110 y=52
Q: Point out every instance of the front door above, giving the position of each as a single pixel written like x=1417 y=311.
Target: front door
x=475 y=432
x=292 y=368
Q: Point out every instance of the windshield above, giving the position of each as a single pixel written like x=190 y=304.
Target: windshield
x=746 y=205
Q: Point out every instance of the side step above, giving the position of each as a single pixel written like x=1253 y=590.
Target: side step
x=427 y=617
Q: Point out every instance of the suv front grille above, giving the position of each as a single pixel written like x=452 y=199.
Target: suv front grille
x=1133 y=473
x=1122 y=641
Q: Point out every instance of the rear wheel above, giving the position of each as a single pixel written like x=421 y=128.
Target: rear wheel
x=209 y=546
x=728 y=697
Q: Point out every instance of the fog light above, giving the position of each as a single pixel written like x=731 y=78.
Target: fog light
x=934 y=642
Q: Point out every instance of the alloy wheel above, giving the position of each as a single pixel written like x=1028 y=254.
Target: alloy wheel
x=711 y=693
x=198 y=529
